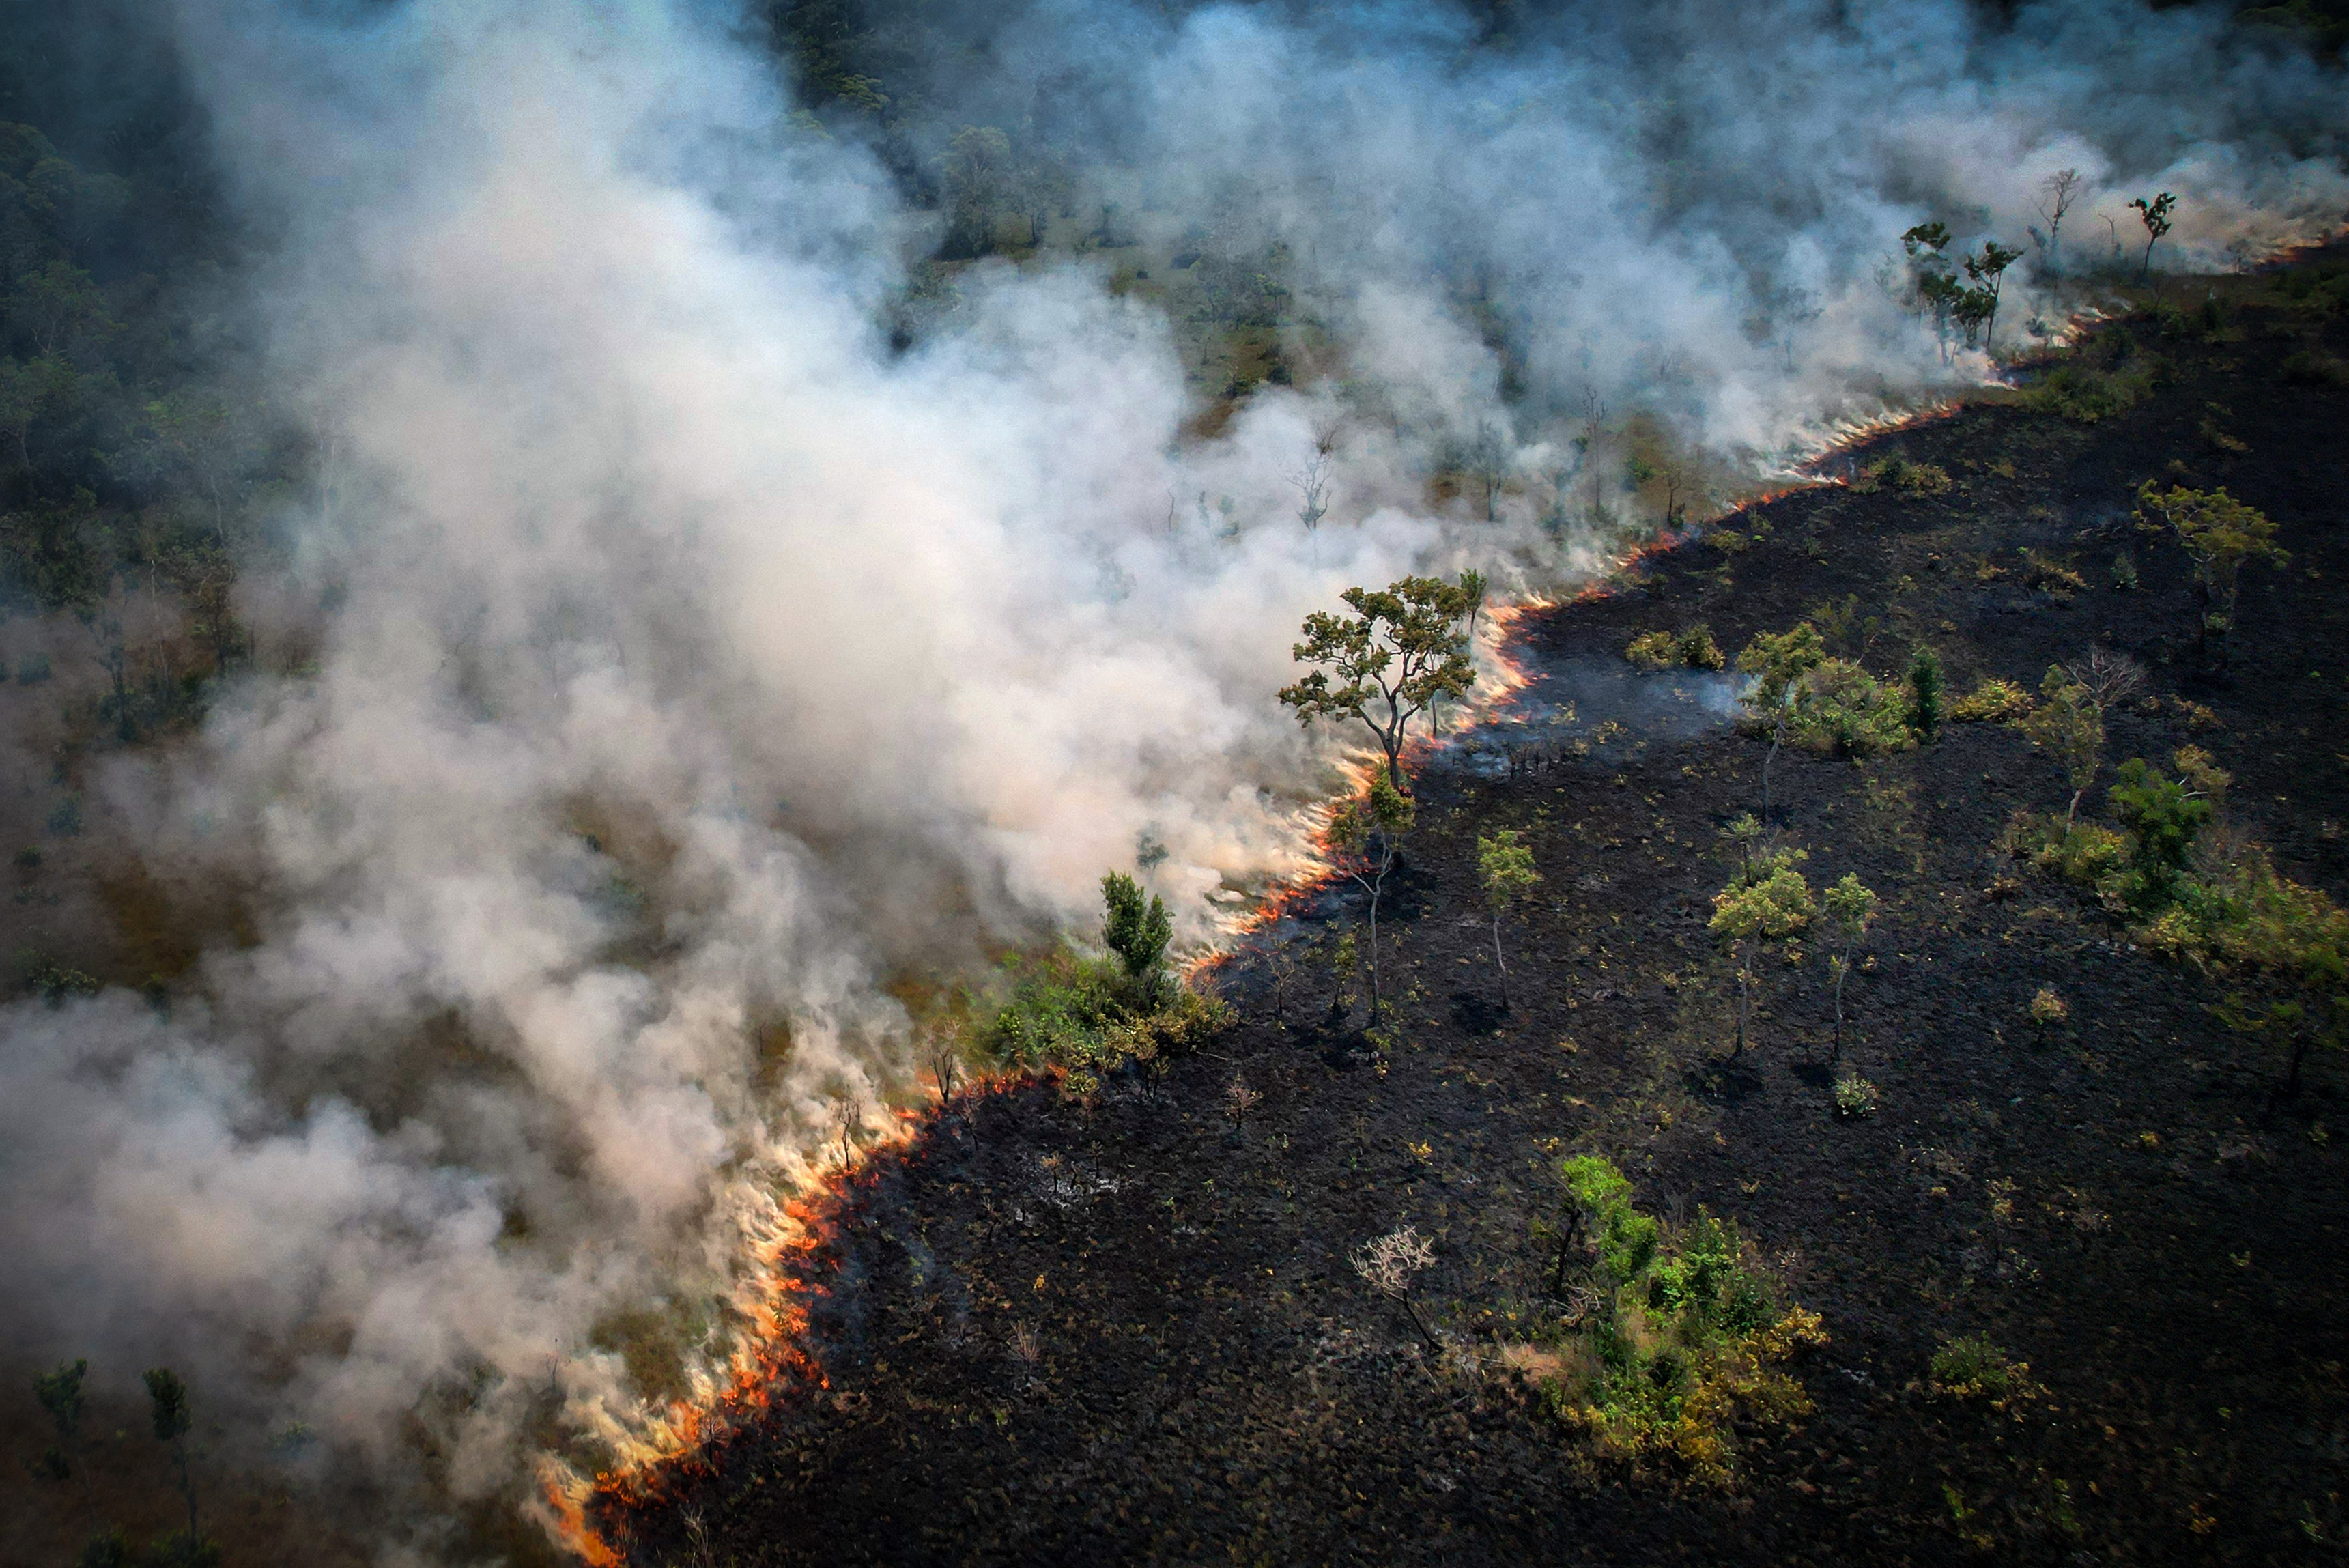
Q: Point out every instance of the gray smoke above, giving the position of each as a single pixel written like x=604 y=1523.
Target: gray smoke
x=689 y=663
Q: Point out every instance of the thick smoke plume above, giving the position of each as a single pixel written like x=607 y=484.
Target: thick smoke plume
x=692 y=661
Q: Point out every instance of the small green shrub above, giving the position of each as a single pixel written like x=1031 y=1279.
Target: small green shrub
x=2125 y=577
x=33 y=669
x=1992 y=701
x=1898 y=473
x=1654 y=651
x=2088 y=854
x=1971 y=1366
x=1699 y=651
x=1855 y=1097
x=1695 y=648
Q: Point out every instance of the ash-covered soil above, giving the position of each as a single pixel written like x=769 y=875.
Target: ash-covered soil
x=1125 y=1331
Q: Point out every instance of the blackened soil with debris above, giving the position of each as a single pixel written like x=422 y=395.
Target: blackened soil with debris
x=1128 y=1331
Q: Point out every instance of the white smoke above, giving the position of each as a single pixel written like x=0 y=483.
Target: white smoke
x=689 y=665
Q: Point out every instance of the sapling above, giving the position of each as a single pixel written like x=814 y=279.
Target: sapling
x=2154 y=216
x=1778 y=662
x=1367 y=838
x=60 y=1394
x=1924 y=694
x=2062 y=189
x=1773 y=904
x=2068 y=726
x=1136 y=931
x=1852 y=909
x=2048 y=1011
x=1505 y=871
x=2220 y=534
x=167 y=1401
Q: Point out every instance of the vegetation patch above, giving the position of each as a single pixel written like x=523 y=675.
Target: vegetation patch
x=1672 y=1336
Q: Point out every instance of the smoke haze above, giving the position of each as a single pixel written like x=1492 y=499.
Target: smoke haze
x=710 y=623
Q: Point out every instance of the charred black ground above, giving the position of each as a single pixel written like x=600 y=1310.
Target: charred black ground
x=1128 y=1331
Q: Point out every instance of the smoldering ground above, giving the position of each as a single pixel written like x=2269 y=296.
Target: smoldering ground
x=693 y=659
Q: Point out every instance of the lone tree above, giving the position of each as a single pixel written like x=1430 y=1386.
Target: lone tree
x=1365 y=840
x=1925 y=695
x=1935 y=280
x=1387 y=1265
x=2062 y=189
x=2154 y=216
x=1768 y=903
x=1851 y=910
x=2220 y=534
x=1136 y=930
x=2069 y=727
x=166 y=1402
x=1405 y=646
x=1595 y=1189
x=1988 y=271
x=1778 y=662
x=59 y=1393
x=1505 y=871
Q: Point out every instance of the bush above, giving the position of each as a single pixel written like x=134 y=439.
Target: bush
x=1695 y=648
x=1899 y=474
x=33 y=669
x=1971 y=1366
x=1680 y=1339
x=1849 y=712
x=1654 y=651
x=1087 y=1019
x=1993 y=701
x=2087 y=395
x=1855 y=1097
x=2088 y=854
x=1699 y=651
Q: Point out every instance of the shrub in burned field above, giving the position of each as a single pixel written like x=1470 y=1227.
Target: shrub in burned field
x=1898 y=473
x=1090 y=1016
x=1992 y=701
x=1855 y=1097
x=1672 y=1335
x=1971 y=1367
x=1694 y=649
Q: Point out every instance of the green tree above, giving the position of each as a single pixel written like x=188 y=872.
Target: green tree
x=167 y=1408
x=1778 y=662
x=1365 y=838
x=1925 y=694
x=2154 y=216
x=2220 y=534
x=1595 y=1188
x=2069 y=727
x=1505 y=871
x=60 y=1394
x=1771 y=905
x=1136 y=930
x=1851 y=909
x=1406 y=645
x=1987 y=270
x=2164 y=817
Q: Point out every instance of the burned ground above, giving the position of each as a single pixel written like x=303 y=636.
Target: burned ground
x=1128 y=1329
